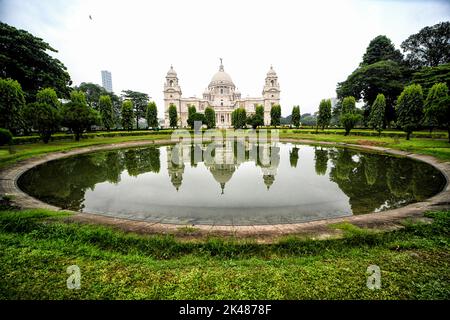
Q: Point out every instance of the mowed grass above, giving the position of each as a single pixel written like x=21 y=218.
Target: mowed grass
x=36 y=247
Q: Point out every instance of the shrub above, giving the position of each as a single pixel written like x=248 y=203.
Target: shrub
x=5 y=137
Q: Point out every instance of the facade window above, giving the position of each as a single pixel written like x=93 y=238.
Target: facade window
x=272 y=96
x=171 y=83
x=171 y=96
x=271 y=81
x=222 y=118
x=221 y=91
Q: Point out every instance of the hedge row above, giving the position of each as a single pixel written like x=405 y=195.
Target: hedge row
x=103 y=134
x=391 y=134
x=89 y=135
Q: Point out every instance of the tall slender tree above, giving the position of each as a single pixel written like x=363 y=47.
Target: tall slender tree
x=210 y=117
x=323 y=120
x=127 y=115
x=437 y=107
x=152 y=115
x=105 y=108
x=376 y=119
x=275 y=115
x=173 y=116
x=295 y=118
x=12 y=102
x=349 y=117
x=410 y=109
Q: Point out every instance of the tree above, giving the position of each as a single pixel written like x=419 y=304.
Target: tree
x=191 y=111
x=106 y=112
x=239 y=118
x=381 y=48
x=140 y=101
x=428 y=76
x=349 y=117
x=376 y=119
x=295 y=119
x=410 y=109
x=93 y=92
x=173 y=116
x=308 y=119
x=429 y=47
x=77 y=115
x=324 y=117
x=437 y=107
x=198 y=117
x=12 y=102
x=44 y=115
x=366 y=82
x=127 y=115
x=210 y=117
x=152 y=115
x=259 y=116
x=24 y=57
x=275 y=115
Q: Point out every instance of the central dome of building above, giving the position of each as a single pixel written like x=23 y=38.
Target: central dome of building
x=221 y=78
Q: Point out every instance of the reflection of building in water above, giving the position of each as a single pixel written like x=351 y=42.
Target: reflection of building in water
x=224 y=164
x=225 y=161
x=269 y=161
x=175 y=165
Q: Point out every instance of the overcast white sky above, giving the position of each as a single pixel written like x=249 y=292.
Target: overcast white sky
x=311 y=44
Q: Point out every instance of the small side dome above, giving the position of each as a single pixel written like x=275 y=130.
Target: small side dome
x=171 y=72
x=271 y=72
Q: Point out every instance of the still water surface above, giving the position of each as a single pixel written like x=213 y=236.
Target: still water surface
x=281 y=183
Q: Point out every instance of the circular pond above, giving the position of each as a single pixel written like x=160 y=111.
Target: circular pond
x=232 y=183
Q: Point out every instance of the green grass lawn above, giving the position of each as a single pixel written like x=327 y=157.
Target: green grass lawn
x=36 y=247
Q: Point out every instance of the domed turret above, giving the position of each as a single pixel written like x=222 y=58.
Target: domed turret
x=171 y=72
x=271 y=72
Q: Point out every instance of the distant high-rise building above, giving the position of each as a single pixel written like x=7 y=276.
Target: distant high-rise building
x=106 y=80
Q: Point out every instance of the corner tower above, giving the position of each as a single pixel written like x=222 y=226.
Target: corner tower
x=172 y=95
x=271 y=93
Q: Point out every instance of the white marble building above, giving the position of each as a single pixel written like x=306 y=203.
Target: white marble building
x=222 y=95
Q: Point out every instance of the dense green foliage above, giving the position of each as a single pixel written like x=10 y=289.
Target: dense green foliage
x=257 y=119
x=44 y=115
x=77 y=115
x=429 y=47
x=437 y=107
x=191 y=111
x=366 y=82
x=349 y=117
x=105 y=108
x=376 y=118
x=428 y=76
x=324 y=117
x=210 y=118
x=12 y=102
x=239 y=118
x=25 y=58
x=127 y=115
x=275 y=115
x=152 y=115
x=140 y=101
x=173 y=116
x=295 y=119
x=6 y=137
x=410 y=109
x=381 y=48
